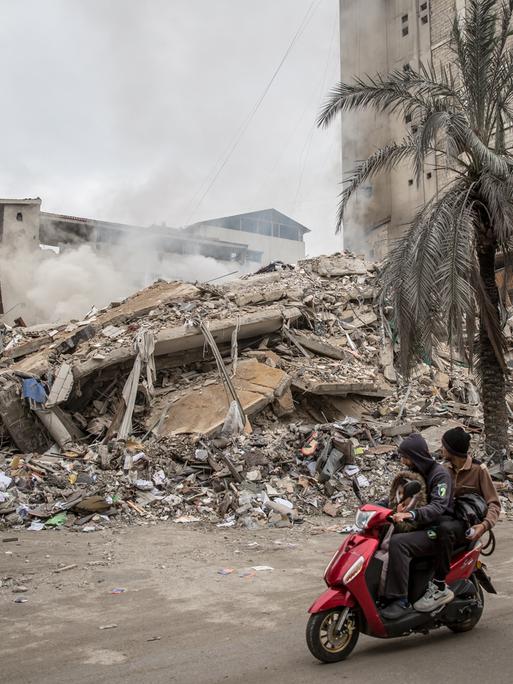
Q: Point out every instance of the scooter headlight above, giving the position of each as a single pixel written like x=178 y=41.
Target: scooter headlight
x=354 y=570
x=363 y=518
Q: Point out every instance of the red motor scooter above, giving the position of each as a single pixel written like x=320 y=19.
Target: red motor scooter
x=351 y=603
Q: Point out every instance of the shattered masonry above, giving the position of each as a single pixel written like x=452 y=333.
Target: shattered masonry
x=256 y=402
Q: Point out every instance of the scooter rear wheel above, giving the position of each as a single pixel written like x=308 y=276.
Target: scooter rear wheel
x=325 y=641
x=471 y=622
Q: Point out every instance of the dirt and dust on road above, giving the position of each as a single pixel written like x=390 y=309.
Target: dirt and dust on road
x=168 y=603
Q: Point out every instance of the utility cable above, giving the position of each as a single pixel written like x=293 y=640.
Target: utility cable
x=306 y=149
x=223 y=161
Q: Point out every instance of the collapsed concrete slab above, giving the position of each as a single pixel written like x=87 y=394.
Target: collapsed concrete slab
x=28 y=347
x=146 y=300
x=316 y=345
x=339 y=265
x=185 y=338
x=202 y=410
x=341 y=389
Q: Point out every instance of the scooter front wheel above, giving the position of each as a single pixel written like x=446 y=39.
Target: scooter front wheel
x=328 y=640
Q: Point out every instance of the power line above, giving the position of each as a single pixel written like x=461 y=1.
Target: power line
x=223 y=161
x=306 y=149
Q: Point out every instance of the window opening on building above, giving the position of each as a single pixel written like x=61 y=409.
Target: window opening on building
x=19 y=216
x=405 y=31
x=429 y=175
x=410 y=182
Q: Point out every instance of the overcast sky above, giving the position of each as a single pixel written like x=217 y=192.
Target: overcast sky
x=123 y=109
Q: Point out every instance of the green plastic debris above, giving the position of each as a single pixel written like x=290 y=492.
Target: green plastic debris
x=57 y=520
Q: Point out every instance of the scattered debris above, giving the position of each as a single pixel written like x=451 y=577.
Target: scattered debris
x=252 y=403
x=66 y=568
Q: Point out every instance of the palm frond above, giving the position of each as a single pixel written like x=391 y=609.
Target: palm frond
x=382 y=160
x=456 y=294
x=396 y=289
x=406 y=91
x=496 y=194
x=480 y=28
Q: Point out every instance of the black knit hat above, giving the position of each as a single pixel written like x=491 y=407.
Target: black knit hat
x=457 y=441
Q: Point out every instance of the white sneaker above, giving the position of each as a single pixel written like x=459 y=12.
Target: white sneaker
x=433 y=598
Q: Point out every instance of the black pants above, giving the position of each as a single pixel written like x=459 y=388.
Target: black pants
x=403 y=547
x=407 y=545
x=450 y=533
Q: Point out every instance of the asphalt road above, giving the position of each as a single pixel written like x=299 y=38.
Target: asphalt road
x=181 y=621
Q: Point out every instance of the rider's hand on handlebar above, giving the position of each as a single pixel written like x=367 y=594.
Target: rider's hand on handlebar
x=402 y=516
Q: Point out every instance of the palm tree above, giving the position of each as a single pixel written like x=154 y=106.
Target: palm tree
x=440 y=276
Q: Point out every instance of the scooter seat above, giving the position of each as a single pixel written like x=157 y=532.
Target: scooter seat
x=468 y=546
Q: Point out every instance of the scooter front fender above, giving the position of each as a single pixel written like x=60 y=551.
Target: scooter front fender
x=332 y=598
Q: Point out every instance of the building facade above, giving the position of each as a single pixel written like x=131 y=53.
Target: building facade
x=19 y=223
x=269 y=235
x=381 y=36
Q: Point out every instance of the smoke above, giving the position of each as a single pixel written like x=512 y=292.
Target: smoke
x=364 y=131
x=44 y=287
x=168 y=97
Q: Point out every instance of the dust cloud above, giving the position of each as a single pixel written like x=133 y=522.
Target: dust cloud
x=42 y=286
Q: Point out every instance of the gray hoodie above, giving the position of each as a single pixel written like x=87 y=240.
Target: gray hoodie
x=438 y=480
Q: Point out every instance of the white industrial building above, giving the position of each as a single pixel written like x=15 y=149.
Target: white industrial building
x=268 y=234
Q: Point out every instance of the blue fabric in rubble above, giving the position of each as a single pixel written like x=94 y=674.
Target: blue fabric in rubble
x=33 y=389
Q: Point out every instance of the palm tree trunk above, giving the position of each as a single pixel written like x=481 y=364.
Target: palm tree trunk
x=493 y=381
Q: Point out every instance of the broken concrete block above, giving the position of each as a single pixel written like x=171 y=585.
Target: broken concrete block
x=59 y=425
x=316 y=345
x=203 y=410
x=402 y=429
x=386 y=358
x=18 y=420
x=441 y=380
x=71 y=341
x=331 y=509
x=339 y=265
x=62 y=386
x=28 y=347
x=341 y=389
x=284 y=404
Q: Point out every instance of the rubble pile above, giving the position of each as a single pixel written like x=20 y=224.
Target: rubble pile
x=258 y=402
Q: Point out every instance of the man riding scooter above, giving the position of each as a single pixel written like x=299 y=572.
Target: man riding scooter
x=415 y=455
x=468 y=477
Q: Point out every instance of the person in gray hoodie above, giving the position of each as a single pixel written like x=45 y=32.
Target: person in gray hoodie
x=415 y=455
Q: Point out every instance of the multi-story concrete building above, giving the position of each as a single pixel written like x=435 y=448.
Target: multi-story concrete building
x=381 y=36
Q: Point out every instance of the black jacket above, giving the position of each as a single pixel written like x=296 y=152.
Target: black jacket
x=438 y=480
